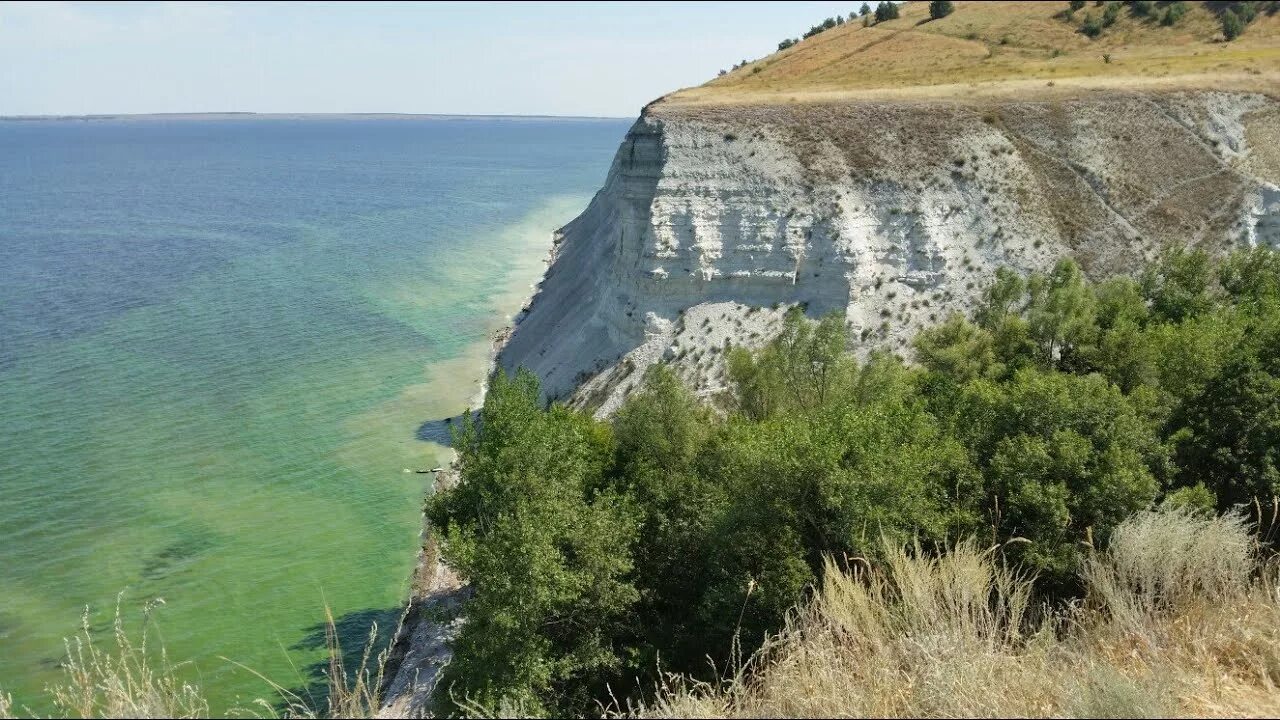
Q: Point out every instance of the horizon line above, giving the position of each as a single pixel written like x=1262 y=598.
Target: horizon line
x=237 y=114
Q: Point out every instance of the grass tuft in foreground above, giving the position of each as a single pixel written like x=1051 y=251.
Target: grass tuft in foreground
x=1181 y=618
x=130 y=678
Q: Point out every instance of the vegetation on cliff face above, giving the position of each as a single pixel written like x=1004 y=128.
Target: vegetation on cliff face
x=603 y=551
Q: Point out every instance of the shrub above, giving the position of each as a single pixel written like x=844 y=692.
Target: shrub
x=1076 y=5
x=886 y=10
x=1173 y=13
x=941 y=8
x=1232 y=25
x=1110 y=14
x=1091 y=26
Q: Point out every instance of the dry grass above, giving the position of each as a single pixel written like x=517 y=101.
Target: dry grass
x=1181 y=619
x=1001 y=49
x=349 y=695
x=132 y=679
x=123 y=678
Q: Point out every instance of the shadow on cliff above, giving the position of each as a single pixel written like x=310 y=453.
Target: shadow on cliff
x=441 y=431
x=352 y=634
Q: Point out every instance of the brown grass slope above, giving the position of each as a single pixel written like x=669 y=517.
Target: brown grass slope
x=1002 y=49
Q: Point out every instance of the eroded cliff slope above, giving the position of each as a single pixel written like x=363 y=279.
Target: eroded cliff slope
x=893 y=213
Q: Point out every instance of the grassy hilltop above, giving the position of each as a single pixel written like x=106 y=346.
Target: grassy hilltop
x=1006 y=49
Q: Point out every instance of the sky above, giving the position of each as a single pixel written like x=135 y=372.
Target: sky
x=526 y=58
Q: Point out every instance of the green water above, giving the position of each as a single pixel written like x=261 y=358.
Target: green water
x=238 y=443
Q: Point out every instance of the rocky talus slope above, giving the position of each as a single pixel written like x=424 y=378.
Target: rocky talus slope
x=713 y=219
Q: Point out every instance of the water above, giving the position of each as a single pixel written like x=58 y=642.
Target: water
x=218 y=342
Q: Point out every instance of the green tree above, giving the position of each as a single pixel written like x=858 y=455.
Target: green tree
x=661 y=432
x=1076 y=4
x=886 y=10
x=825 y=481
x=1232 y=25
x=957 y=349
x=939 y=9
x=1251 y=276
x=1181 y=286
x=1061 y=314
x=1230 y=434
x=539 y=630
x=1066 y=457
x=864 y=10
x=801 y=369
x=1123 y=352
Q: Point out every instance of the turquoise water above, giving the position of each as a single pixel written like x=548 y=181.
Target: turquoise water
x=218 y=343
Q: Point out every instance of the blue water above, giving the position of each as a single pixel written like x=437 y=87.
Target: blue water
x=218 y=340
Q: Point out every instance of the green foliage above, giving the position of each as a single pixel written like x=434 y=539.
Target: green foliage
x=864 y=10
x=1143 y=8
x=1110 y=14
x=1196 y=500
x=801 y=370
x=1173 y=13
x=538 y=536
x=1232 y=25
x=1180 y=287
x=1066 y=456
x=941 y=8
x=1091 y=25
x=601 y=551
x=886 y=10
x=958 y=349
x=1076 y=4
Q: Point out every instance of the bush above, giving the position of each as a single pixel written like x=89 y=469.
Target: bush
x=1076 y=5
x=1143 y=8
x=1091 y=26
x=886 y=10
x=1110 y=14
x=1232 y=25
x=1173 y=13
x=941 y=8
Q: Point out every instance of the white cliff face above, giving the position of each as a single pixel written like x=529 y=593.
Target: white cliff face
x=893 y=215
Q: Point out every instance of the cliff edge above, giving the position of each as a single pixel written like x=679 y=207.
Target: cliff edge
x=892 y=213
x=885 y=172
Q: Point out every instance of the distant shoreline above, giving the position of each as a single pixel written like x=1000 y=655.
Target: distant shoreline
x=296 y=116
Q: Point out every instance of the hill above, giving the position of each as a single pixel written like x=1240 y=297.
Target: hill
x=1007 y=49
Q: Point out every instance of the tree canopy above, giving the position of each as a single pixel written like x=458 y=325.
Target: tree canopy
x=603 y=551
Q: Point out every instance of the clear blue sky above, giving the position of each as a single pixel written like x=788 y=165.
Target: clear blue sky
x=517 y=58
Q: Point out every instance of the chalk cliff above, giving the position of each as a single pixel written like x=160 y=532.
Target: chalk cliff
x=891 y=213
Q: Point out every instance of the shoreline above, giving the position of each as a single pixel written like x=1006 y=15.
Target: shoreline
x=420 y=649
